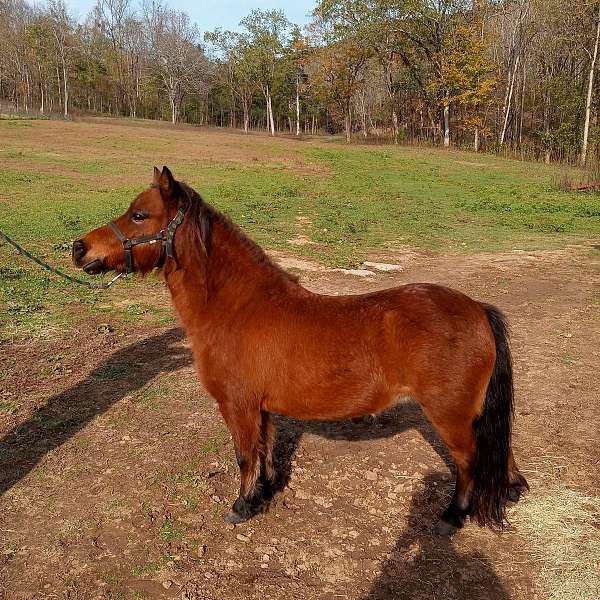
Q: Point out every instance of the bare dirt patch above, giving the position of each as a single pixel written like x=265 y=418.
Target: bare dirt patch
x=116 y=467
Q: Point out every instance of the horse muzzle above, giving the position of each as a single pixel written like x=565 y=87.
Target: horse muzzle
x=94 y=267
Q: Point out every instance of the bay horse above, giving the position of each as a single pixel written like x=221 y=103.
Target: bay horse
x=264 y=344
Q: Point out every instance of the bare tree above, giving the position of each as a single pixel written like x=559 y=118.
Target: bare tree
x=178 y=58
x=588 y=104
x=61 y=26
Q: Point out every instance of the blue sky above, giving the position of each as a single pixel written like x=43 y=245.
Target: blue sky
x=226 y=14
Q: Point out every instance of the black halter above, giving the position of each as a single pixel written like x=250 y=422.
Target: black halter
x=165 y=236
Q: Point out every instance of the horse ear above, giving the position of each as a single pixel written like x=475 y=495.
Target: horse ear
x=156 y=176
x=166 y=183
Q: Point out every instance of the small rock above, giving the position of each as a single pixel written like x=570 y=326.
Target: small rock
x=167 y=584
x=242 y=537
x=385 y=267
x=264 y=566
x=355 y=272
x=201 y=550
x=216 y=498
x=265 y=558
x=229 y=526
x=371 y=475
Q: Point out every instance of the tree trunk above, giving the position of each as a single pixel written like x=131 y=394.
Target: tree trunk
x=173 y=109
x=348 y=125
x=270 y=112
x=476 y=140
x=66 y=91
x=522 y=105
x=588 y=104
x=297 y=105
x=58 y=85
x=395 y=126
x=446 y=122
x=508 y=101
x=246 y=116
x=548 y=153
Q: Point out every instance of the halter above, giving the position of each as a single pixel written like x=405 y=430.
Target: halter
x=165 y=236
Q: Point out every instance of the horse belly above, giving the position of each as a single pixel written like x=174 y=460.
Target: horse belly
x=331 y=401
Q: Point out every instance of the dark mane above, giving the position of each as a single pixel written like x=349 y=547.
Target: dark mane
x=202 y=216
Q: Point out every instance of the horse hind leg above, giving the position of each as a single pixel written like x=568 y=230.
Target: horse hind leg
x=455 y=515
x=458 y=435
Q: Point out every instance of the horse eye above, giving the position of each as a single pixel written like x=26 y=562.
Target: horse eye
x=138 y=217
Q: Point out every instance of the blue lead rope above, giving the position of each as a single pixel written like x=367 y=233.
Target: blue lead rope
x=74 y=280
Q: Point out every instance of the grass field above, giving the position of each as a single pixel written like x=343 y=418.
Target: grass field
x=61 y=179
x=116 y=467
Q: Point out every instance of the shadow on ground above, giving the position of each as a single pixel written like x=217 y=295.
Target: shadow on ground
x=422 y=566
x=66 y=413
x=428 y=567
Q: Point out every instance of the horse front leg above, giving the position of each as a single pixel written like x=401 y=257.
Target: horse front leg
x=245 y=426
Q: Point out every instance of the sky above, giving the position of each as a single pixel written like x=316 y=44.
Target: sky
x=210 y=14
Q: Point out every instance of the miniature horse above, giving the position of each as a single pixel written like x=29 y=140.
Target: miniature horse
x=264 y=344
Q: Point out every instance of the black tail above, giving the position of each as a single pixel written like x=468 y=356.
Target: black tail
x=491 y=477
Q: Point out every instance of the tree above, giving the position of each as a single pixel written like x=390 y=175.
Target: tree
x=466 y=76
x=588 y=104
x=266 y=31
x=178 y=59
x=237 y=69
x=61 y=26
x=336 y=75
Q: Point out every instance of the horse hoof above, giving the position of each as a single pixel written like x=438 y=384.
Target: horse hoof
x=234 y=518
x=513 y=496
x=444 y=529
x=517 y=490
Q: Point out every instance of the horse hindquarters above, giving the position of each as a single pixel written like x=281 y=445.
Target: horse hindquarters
x=474 y=419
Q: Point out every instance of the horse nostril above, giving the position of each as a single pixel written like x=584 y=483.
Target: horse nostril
x=79 y=249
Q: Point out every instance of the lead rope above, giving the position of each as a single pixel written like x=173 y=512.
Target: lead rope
x=55 y=271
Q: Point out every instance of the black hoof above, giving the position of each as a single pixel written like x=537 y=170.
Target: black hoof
x=235 y=518
x=517 y=489
x=513 y=496
x=444 y=528
x=243 y=510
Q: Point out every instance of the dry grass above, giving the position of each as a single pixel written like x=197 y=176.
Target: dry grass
x=564 y=528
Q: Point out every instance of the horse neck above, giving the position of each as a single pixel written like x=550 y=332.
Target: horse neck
x=203 y=288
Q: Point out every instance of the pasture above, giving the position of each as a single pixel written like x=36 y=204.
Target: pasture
x=115 y=466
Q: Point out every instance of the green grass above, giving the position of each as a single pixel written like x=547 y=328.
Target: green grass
x=169 y=532
x=60 y=180
x=158 y=393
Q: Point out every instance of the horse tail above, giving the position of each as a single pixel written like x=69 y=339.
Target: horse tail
x=491 y=476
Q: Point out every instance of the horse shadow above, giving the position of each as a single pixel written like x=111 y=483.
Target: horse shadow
x=66 y=413
x=422 y=565
x=425 y=566
x=390 y=423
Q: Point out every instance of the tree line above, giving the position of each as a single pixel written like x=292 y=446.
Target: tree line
x=514 y=75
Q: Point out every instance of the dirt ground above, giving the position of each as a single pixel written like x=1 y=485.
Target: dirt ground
x=116 y=469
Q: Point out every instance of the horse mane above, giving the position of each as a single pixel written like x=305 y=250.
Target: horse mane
x=202 y=216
